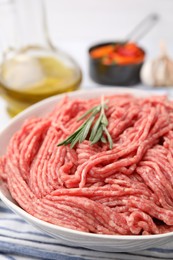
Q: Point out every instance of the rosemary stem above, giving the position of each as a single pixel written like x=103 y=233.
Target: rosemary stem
x=96 y=126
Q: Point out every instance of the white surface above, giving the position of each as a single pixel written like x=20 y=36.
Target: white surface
x=99 y=242
x=4 y=118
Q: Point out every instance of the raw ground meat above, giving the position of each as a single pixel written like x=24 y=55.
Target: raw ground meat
x=126 y=191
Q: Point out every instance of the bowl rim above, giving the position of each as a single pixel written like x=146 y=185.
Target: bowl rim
x=31 y=219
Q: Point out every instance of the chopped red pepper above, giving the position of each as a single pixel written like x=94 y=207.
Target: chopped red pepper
x=123 y=54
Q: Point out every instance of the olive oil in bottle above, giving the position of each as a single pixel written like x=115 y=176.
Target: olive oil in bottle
x=31 y=67
x=30 y=77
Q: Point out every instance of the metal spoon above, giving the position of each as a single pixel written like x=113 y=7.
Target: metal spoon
x=142 y=28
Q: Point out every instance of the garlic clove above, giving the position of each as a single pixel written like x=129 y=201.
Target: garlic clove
x=158 y=72
x=146 y=74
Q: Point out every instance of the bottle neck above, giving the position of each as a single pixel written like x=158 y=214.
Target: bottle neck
x=32 y=22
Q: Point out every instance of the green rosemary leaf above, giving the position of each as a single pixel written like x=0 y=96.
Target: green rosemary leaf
x=103 y=139
x=96 y=109
x=75 y=140
x=85 y=129
x=105 y=105
x=109 y=137
x=95 y=128
x=98 y=135
x=96 y=132
x=70 y=138
x=104 y=120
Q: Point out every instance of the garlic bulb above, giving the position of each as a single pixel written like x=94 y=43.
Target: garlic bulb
x=158 y=72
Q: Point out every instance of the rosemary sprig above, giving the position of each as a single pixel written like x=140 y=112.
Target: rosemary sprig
x=98 y=132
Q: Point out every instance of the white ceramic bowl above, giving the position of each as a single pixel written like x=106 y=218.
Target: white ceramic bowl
x=107 y=243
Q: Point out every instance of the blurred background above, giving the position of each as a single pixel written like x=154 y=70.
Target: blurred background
x=74 y=26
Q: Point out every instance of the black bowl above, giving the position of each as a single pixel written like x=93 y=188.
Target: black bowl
x=114 y=74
